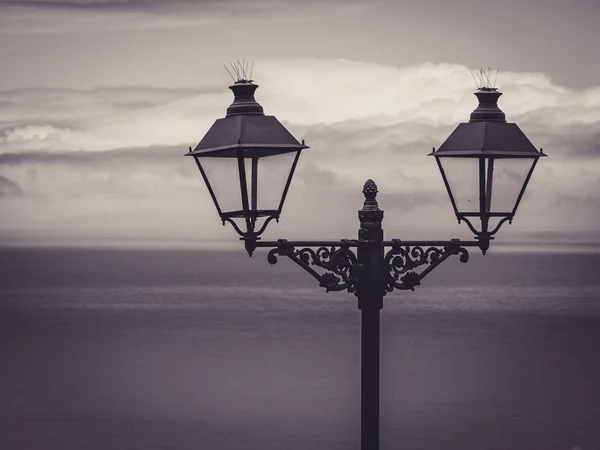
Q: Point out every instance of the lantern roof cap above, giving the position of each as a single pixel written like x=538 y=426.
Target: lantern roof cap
x=251 y=132
x=246 y=127
x=487 y=133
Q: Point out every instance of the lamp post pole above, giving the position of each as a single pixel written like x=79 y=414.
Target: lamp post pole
x=370 y=292
x=369 y=273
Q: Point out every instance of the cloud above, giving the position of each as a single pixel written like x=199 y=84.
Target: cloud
x=31 y=16
x=115 y=155
x=101 y=119
x=158 y=6
x=81 y=16
x=96 y=5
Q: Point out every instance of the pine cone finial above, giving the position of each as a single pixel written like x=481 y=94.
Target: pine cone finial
x=370 y=189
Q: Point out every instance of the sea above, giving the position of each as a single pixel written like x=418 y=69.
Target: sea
x=141 y=349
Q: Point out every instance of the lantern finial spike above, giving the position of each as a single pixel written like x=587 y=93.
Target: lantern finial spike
x=232 y=77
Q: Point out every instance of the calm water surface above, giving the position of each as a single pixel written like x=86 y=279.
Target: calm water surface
x=140 y=349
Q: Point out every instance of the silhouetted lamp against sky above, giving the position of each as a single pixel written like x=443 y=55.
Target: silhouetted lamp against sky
x=486 y=165
x=247 y=161
x=253 y=151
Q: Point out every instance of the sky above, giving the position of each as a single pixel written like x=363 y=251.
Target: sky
x=100 y=99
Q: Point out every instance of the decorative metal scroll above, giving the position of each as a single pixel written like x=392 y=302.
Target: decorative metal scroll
x=339 y=262
x=402 y=258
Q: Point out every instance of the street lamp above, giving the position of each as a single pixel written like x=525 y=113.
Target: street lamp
x=251 y=149
x=486 y=165
x=247 y=148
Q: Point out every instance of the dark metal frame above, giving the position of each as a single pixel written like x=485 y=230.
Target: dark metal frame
x=249 y=203
x=369 y=268
x=484 y=235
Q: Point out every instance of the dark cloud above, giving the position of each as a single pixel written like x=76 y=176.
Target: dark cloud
x=149 y=5
x=66 y=16
x=26 y=17
x=104 y=5
x=45 y=97
x=112 y=159
x=218 y=7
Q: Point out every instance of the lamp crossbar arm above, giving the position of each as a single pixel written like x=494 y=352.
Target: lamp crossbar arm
x=339 y=262
x=404 y=256
x=354 y=243
x=401 y=242
x=334 y=264
x=279 y=242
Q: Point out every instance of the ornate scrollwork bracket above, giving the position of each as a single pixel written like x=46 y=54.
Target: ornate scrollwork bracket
x=337 y=259
x=404 y=256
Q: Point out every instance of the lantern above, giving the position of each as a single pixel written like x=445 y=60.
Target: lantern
x=247 y=161
x=486 y=165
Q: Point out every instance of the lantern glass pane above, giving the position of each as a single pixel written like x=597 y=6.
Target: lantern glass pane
x=273 y=173
x=509 y=175
x=224 y=178
x=462 y=175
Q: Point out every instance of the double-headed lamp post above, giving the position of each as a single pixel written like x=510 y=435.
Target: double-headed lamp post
x=248 y=159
